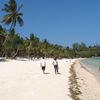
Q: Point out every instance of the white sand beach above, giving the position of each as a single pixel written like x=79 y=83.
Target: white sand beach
x=24 y=80
x=89 y=85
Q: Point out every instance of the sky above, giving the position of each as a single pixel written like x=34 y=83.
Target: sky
x=62 y=22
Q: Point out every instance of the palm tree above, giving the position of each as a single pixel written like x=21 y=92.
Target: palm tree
x=1 y=29
x=45 y=47
x=2 y=39
x=33 y=45
x=13 y=15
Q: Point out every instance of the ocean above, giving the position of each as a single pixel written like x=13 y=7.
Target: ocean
x=92 y=65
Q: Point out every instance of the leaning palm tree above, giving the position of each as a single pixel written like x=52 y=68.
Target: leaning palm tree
x=13 y=15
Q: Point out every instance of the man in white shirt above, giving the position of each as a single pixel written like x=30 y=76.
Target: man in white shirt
x=43 y=65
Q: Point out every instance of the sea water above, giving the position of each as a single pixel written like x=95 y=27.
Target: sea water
x=92 y=65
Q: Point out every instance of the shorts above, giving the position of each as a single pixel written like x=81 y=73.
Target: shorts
x=55 y=66
x=43 y=67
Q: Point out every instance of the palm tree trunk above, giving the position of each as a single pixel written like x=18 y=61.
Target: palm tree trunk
x=16 y=53
x=11 y=27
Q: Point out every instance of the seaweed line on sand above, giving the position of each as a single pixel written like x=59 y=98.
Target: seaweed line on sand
x=74 y=86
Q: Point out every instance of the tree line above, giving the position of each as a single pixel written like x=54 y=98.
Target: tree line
x=33 y=46
x=13 y=45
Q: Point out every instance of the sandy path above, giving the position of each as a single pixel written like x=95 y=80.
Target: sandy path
x=23 y=80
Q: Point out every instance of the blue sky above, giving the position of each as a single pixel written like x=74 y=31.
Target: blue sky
x=61 y=22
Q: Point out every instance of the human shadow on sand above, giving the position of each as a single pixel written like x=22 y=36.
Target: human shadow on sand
x=46 y=73
x=59 y=73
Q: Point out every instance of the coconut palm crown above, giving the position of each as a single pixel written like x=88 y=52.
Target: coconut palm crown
x=13 y=15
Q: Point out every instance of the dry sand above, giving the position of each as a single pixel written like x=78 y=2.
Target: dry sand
x=89 y=85
x=24 y=80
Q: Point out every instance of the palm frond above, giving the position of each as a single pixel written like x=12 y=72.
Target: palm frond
x=19 y=7
x=6 y=8
x=6 y=19
x=13 y=14
x=13 y=6
x=20 y=21
x=14 y=22
x=19 y=14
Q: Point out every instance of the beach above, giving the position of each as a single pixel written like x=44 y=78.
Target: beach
x=24 y=80
x=88 y=83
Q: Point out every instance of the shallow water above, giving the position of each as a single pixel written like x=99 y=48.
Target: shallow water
x=92 y=65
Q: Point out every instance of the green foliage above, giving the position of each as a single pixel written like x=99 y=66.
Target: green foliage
x=14 y=45
x=33 y=47
x=12 y=15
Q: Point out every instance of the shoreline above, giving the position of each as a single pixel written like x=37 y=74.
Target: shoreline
x=86 y=83
x=95 y=72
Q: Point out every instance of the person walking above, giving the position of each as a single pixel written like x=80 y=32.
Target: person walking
x=43 y=65
x=55 y=64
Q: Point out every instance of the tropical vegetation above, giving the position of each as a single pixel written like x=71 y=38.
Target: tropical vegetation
x=13 y=45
